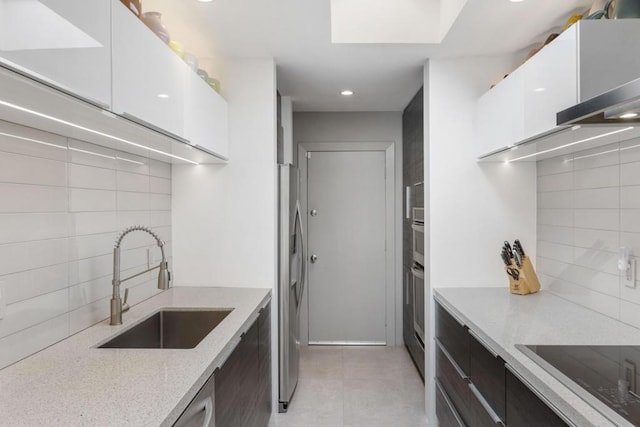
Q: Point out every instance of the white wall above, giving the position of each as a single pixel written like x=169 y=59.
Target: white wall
x=224 y=216
x=474 y=207
x=62 y=204
x=359 y=127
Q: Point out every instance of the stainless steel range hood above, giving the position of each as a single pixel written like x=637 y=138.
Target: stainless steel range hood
x=619 y=106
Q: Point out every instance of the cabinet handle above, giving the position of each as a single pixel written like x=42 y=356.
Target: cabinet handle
x=452 y=408
x=195 y=409
x=483 y=343
x=406 y=285
x=250 y=322
x=539 y=395
x=265 y=304
x=155 y=128
x=213 y=153
x=453 y=362
x=227 y=354
x=496 y=419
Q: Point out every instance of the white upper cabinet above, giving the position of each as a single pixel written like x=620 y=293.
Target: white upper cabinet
x=503 y=105
x=148 y=78
x=550 y=84
x=64 y=43
x=205 y=116
x=587 y=59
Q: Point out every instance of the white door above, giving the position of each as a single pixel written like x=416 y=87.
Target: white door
x=347 y=229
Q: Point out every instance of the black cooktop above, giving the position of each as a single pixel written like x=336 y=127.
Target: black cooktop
x=610 y=374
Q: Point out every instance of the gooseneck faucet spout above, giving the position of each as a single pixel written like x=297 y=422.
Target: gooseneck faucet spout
x=118 y=306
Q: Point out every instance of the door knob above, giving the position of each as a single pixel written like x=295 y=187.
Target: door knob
x=313 y=212
x=314 y=258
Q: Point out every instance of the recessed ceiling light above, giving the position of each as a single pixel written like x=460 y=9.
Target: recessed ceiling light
x=163 y=95
x=629 y=115
x=205 y=1
x=516 y=1
x=346 y=93
x=540 y=89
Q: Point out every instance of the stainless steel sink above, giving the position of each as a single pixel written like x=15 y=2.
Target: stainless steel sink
x=175 y=328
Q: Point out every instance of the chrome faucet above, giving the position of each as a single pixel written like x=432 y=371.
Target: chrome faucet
x=118 y=306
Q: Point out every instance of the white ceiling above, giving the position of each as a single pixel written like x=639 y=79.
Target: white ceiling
x=313 y=70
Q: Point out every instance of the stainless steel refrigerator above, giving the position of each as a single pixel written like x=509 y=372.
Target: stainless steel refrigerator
x=291 y=277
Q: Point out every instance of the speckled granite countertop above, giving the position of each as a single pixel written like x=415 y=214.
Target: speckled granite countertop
x=72 y=383
x=503 y=320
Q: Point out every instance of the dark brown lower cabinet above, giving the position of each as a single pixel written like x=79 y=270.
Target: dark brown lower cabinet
x=525 y=409
x=264 y=355
x=475 y=388
x=446 y=410
x=487 y=373
x=243 y=382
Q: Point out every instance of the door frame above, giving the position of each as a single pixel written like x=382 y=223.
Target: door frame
x=388 y=147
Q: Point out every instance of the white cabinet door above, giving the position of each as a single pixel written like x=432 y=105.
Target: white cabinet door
x=65 y=43
x=148 y=78
x=551 y=83
x=205 y=116
x=500 y=116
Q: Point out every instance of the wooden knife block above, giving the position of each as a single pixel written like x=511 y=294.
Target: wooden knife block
x=527 y=282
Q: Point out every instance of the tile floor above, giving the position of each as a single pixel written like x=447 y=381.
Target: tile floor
x=355 y=386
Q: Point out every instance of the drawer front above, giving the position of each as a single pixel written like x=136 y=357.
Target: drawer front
x=487 y=372
x=479 y=410
x=445 y=410
x=525 y=409
x=454 y=385
x=453 y=336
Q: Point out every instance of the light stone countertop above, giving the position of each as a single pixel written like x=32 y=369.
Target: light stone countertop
x=72 y=383
x=503 y=320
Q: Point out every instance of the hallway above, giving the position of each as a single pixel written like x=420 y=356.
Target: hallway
x=355 y=386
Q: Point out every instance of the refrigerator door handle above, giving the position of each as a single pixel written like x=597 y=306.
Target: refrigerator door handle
x=303 y=261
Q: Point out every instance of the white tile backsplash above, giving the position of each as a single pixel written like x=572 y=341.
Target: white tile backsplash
x=557 y=217
x=556 y=182
x=21 y=227
x=17 y=198
x=17 y=257
x=28 y=341
x=84 y=200
x=133 y=182
x=630 y=197
x=32 y=170
x=555 y=200
x=32 y=283
x=555 y=234
x=81 y=176
x=630 y=173
x=597 y=198
x=630 y=221
x=64 y=202
x=128 y=201
x=604 y=184
x=597 y=219
x=608 y=176
x=82 y=223
x=160 y=185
